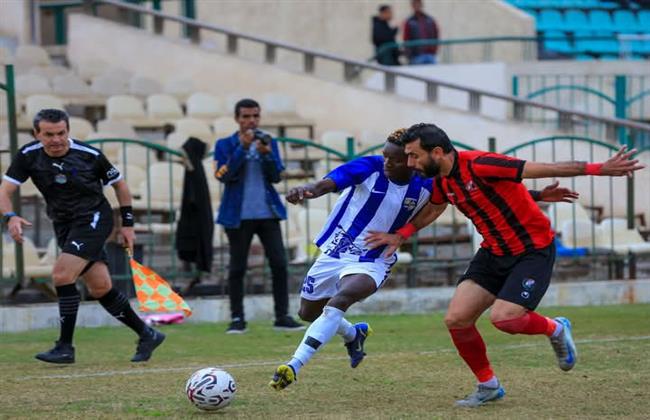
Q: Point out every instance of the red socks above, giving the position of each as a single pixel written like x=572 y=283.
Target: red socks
x=532 y=323
x=472 y=349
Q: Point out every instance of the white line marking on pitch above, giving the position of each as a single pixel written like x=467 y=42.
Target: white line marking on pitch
x=272 y=363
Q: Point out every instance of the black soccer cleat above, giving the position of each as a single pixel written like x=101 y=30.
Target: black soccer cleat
x=61 y=353
x=148 y=342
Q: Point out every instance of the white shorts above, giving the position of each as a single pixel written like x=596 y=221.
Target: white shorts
x=323 y=279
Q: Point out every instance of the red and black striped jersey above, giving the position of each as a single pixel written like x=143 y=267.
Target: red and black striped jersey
x=486 y=187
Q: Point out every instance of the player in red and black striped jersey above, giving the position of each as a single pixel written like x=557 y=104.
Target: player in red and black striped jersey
x=512 y=269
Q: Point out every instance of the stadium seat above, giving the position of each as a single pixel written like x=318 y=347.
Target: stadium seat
x=35 y=103
x=164 y=190
x=33 y=266
x=195 y=128
x=203 y=105
x=575 y=20
x=601 y=20
x=180 y=88
x=643 y=18
x=579 y=234
x=108 y=85
x=120 y=128
x=615 y=235
x=80 y=128
x=224 y=126
x=176 y=140
x=625 y=22
x=137 y=155
x=278 y=104
x=134 y=176
x=124 y=107
x=70 y=85
x=32 y=84
x=558 y=213
x=50 y=72
x=164 y=108
x=109 y=149
x=144 y=86
x=550 y=20
x=558 y=43
x=89 y=69
x=31 y=55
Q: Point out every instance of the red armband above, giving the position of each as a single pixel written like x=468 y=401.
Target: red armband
x=593 y=168
x=406 y=231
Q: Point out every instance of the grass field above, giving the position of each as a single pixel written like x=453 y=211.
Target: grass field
x=411 y=371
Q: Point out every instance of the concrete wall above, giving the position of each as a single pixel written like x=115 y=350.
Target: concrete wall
x=344 y=27
x=399 y=301
x=14 y=19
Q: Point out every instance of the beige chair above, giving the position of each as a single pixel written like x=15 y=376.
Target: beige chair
x=163 y=108
x=121 y=128
x=279 y=104
x=615 y=235
x=110 y=149
x=224 y=126
x=33 y=266
x=203 y=105
x=134 y=176
x=558 y=213
x=580 y=233
x=35 y=103
x=137 y=155
x=23 y=139
x=164 y=189
x=107 y=85
x=88 y=69
x=195 y=128
x=176 y=140
x=70 y=85
x=144 y=86
x=80 y=128
x=124 y=107
x=179 y=88
x=32 y=55
x=32 y=84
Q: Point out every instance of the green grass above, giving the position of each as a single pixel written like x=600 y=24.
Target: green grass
x=412 y=371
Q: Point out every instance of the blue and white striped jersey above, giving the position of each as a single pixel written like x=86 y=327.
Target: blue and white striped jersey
x=369 y=202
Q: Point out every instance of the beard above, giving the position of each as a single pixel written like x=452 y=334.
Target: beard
x=431 y=169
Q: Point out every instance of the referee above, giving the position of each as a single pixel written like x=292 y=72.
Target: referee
x=71 y=176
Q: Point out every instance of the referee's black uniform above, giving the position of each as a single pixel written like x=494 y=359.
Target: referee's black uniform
x=72 y=186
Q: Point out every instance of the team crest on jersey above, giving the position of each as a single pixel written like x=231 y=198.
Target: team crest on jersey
x=409 y=203
x=470 y=186
x=343 y=244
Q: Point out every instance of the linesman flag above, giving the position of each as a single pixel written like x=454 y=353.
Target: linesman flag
x=153 y=292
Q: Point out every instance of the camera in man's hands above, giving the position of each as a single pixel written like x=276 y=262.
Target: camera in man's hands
x=263 y=137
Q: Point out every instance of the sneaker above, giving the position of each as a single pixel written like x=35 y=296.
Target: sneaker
x=564 y=347
x=237 y=326
x=482 y=395
x=355 y=347
x=283 y=377
x=61 y=353
x=286 y=323
x=147 y=343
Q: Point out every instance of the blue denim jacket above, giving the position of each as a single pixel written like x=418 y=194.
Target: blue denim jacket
x=230 y=157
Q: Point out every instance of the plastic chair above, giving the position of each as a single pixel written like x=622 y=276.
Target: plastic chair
x=616 y=236
x=625 y=21
x=120 y=128
x=80 y=128
x=557 y=45
x=163 y=107
x=224 y=126
x=180 y=88
x=70 y=85
x=125 y=107
x=32 y=55
x=35 y=103
x=575 y=20
x=279 y=103
x=144 y=86
x=601 y=20
x=108 y=85
x=32 y=84
x=550 y=20
x=558 y=213
x=203 y=105
x=195 y=128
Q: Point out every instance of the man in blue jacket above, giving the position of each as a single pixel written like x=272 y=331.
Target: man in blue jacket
x=248 y=163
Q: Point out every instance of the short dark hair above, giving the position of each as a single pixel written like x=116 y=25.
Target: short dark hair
x=51 y=115
x=430 y=136
x=245 y=103
x=383 y=8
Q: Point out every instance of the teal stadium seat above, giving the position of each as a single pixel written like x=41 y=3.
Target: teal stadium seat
x=575 y=20
x=601 y=20
x=596 y=46
x=643 y=18
x=550 y=20
x=560 y=45
x=625 y=22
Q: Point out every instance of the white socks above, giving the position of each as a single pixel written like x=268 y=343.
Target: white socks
x=347 y=330
x=318 y=334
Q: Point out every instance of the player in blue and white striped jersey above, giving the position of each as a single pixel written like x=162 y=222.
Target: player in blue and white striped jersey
x=378 y=194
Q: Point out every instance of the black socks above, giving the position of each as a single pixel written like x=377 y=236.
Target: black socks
x=118 y=305
x=68 y=307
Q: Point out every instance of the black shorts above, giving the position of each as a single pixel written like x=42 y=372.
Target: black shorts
x=86 y=237
x=521 y=279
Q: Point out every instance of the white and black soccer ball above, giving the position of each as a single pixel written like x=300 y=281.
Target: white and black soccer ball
x=210 y=389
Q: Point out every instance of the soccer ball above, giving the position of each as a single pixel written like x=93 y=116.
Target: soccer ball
x=211 y=389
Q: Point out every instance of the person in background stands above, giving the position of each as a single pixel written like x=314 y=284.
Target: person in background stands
x=383 y=35
x=420 y=26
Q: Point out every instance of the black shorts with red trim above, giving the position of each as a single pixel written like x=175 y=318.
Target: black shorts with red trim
x=521 y=279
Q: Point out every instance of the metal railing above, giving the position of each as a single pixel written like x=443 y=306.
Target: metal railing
x=351 y=69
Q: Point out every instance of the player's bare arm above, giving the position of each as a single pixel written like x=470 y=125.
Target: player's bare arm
x=15 y=223
x=427 y=215
x=299 y=194
x=124 y=198
x=619 y=164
